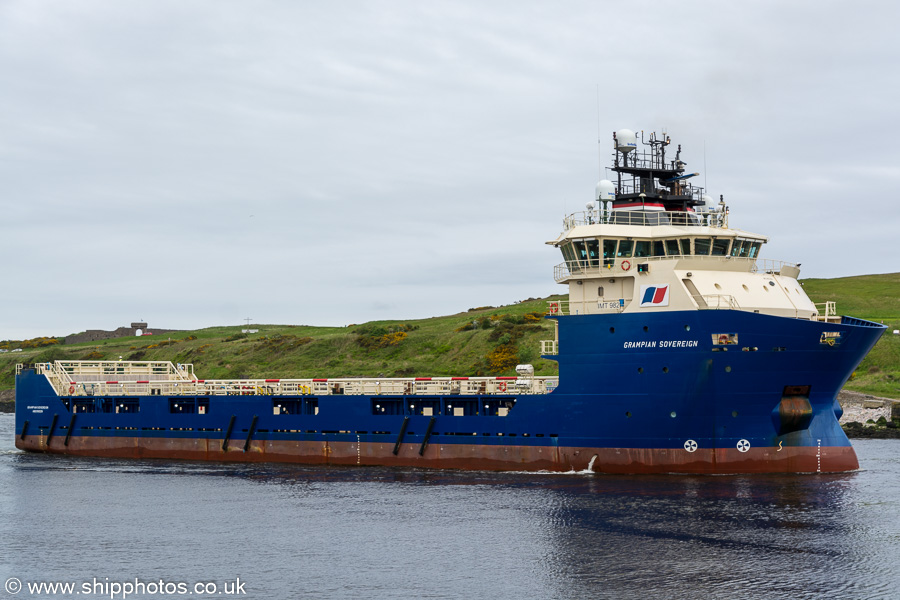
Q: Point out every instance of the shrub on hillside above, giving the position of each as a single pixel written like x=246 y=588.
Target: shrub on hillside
x=382 y=336
x=38 y=342
x=502 y=358
x=279 y=342
x=382 y=341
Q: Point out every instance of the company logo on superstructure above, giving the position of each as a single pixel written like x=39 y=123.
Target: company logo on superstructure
x=654 y=295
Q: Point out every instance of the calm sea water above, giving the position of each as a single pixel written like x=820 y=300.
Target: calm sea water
x=313 y=532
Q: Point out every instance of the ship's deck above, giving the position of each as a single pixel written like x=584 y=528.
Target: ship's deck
x=163 y=378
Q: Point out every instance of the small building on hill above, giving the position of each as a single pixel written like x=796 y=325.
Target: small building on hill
x=93 y=335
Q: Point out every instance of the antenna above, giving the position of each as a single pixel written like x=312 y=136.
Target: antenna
x=599 y=155
x=705 y=172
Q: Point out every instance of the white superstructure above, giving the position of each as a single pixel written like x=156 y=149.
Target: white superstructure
x=652 y=242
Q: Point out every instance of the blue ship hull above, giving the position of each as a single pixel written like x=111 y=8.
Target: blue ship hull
x=638 y=393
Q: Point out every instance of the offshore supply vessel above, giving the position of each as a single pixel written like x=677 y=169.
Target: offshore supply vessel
x=680 y=350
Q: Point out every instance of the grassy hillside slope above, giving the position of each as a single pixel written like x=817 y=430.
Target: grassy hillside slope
x=877 y=298
x=484 y=341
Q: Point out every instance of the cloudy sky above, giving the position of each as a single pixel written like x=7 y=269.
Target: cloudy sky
x=196 y=163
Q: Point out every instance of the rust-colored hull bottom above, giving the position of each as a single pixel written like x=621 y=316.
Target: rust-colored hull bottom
x=828 y=459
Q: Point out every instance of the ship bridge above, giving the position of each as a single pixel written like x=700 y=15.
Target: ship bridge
x=652 y=228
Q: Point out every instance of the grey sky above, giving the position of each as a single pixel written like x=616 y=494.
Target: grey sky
x=196 y=163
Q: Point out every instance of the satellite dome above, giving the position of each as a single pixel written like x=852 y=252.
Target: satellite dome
x=606 y=190
x=626 y=141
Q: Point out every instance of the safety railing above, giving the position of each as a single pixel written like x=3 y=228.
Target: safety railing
x=124 y=370
x=772 y=267
x=549 y=347
x=72 y=378
x=557 y=307
x=827 y=312
x=622 y=265
x=647 y=218
x=716 y=302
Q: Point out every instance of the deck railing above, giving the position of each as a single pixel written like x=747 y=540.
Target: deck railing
x=827 y=312
x=716 y=301
x=557 y=307
x=603 y=267
x=649 y=218
x=76 y=378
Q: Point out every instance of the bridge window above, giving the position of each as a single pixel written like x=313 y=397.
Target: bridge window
x=625 y=247
x=580 y=254
x=754 y=249
x=685 y=246
x=642 y=248
x=569 y=256
x=720 y=246
x=701 y=246
x=609 y=251
x=658 y=248
x=672 y=248
x=593 y=252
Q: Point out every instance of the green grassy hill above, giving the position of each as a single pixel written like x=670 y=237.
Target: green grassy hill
x=483 y=341
x=877 y=298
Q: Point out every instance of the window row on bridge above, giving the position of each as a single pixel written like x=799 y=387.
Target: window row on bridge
x=590 y=252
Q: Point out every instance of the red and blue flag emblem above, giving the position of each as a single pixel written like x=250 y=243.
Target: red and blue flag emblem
x=654 y=295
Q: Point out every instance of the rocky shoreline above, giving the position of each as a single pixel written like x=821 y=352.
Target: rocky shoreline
x=882 y=422
x=7 y=401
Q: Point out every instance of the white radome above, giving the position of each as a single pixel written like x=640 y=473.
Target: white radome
x=606 y=190
x=626 y=141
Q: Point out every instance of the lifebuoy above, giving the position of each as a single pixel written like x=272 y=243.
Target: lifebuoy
x=501 y=386
x=723 y=339
x=71 y=389
x=554 y=308
x=626 y=265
